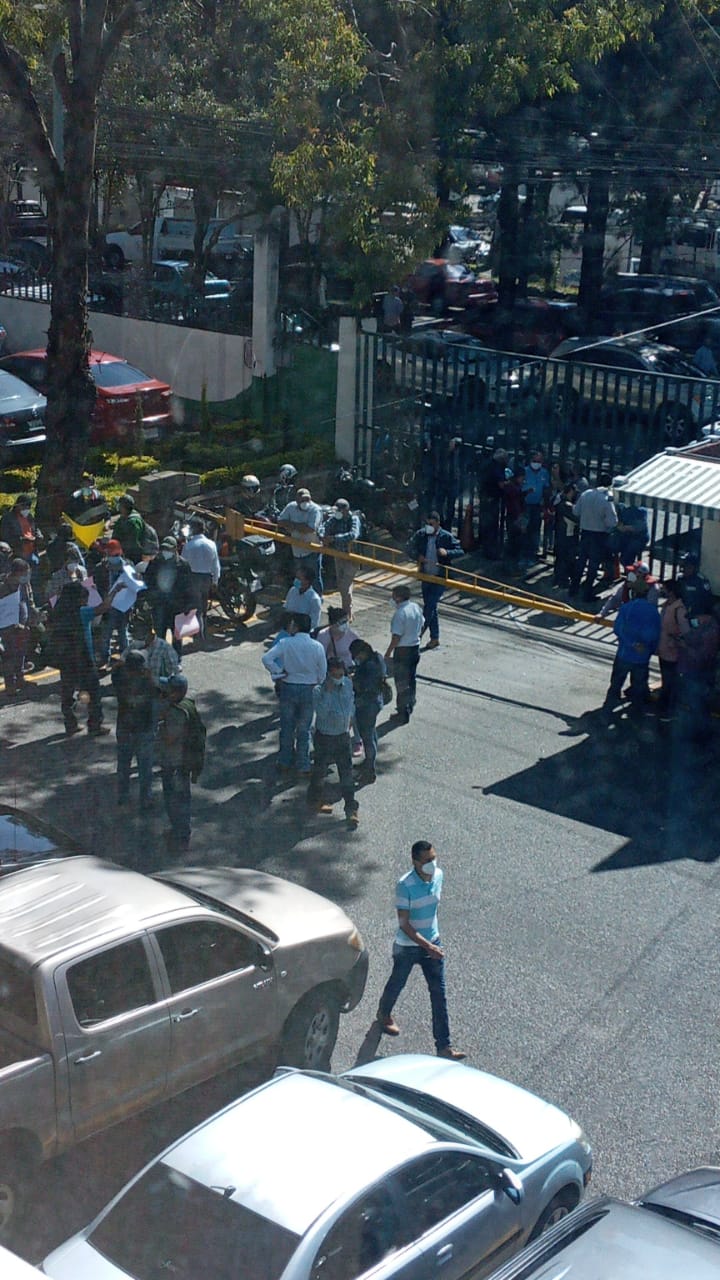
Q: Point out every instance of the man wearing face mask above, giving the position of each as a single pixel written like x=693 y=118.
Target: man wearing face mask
x=337 y=638
x=302 y=519
x=303 y=598
x=404 y=650
x=536 y=489
x=107 y=579
x=417 y=941
x=435 y=549
x=16 y=601
x=19 y=529
x=628 y=589
x=170 y=588
x=334 y=704
x=341 y=530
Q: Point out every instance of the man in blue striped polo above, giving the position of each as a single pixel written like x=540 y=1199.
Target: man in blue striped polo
x=417 y=898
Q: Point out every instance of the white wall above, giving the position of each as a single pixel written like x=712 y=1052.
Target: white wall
x=186 y=358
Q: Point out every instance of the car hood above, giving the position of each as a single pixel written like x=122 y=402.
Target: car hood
x=291 y=913
x=533 y=1127
x=695 y=1194
x=77 y=1260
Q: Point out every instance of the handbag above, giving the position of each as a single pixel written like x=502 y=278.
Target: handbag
x=186 y=624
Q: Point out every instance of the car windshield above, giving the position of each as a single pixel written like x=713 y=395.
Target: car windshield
x=207 y=900
x=169 y=1224
x=443 y=1113
x=116 y=373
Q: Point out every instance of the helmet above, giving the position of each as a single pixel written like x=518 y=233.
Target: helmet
x=287 y=473
x=250 y=484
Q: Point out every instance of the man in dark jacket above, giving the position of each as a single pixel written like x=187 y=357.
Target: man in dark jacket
x=170 y=589
x=693 y=587
x=435 y=549
x=129 y=529
x=133 y=685
x=71 y=641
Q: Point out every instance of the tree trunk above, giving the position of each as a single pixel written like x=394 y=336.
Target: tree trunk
x=204 y=204
x=658 y=202
x=593 y=241
x=525 y=240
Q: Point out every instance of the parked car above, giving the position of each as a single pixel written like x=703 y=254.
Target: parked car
x=409 y=1167
x=118 y=990
x=538 y=324
x=22 y=419
x=671 y=1232
x=173 y=281
x=689 y=292
x=631 y=376
x=439 y=284
x=474 y=375
x=119 y=386
x=466 y=244
x=24 y=217
x=25 y=840
x=13 y=1268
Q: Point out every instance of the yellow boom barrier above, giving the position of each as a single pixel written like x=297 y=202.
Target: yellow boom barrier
x=375 y=556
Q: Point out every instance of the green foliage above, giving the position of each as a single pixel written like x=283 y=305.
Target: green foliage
x=19 y=479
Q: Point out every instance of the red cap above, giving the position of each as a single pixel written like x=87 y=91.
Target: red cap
x=113 y=548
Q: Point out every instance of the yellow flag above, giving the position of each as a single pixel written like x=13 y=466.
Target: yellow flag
x=85 y=534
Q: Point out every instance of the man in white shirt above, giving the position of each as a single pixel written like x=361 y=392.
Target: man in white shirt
x=404 y=649
x=302 y=520
x=597 y=516
x=297 y=664
x=302 y=597
x=201 y=554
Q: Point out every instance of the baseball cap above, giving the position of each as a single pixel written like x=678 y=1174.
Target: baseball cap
x=113 y=547
x=170 y=543
x=342 y=504
x=303 y=493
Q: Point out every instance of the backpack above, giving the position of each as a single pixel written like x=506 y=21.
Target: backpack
x=150 y=542
x=364 y=527
x=194 y=749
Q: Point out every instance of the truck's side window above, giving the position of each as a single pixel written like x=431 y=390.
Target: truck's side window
x=110 y=983
x=199 y=951
x=17 y=993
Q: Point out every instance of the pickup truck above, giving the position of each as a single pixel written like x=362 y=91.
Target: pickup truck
x=172 y=237
x=118 y=990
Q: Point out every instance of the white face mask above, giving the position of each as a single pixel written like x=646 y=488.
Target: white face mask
x=303 y=505
x=25 y=511
x=167 y=554
x=340 y=628
x=535 y=466
x=429 y=528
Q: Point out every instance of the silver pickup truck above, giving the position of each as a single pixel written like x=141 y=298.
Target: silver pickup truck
x=118 y=990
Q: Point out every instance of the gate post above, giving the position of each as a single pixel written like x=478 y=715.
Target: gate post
x=346 y=393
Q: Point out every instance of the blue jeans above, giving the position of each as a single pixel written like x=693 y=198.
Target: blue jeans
x=592 y=552
x=366 y=715
x=142 y=746
x=533 y=511
x=176 y=794
x=114 y=620
x=296 y=713
x=431 y=594
x=404 y=960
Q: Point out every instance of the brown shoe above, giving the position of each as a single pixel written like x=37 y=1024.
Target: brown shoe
x=389 y=1025
x=455 y=1055
x=432 y=644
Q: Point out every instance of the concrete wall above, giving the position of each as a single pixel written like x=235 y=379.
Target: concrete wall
x=710 y=565
x=186 y=358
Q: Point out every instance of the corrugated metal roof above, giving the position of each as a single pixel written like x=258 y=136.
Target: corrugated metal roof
x=686 y=482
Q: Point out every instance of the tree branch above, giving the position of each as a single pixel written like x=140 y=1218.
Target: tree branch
x=112 y=36
x=15 y=80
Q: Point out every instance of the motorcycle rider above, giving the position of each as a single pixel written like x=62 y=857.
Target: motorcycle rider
x=250 y=500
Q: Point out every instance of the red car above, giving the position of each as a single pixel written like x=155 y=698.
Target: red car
x=538 y=324
x=119 y=385
x=441 y=284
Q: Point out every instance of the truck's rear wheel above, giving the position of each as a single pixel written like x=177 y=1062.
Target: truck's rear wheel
x=14 y=1182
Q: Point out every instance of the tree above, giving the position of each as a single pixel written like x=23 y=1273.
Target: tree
x=93 y=30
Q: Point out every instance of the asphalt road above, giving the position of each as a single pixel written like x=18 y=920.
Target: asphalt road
x=581 y=893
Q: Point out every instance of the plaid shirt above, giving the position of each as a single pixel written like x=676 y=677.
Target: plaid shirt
x=161 y=660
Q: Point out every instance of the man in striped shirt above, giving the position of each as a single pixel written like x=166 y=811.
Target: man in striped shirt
x=417 y=898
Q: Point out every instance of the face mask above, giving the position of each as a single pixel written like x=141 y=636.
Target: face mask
x=166 y=555
x=24 y=511
x=632 y=577
x=535 y=466
x=86 y=492
x=24 y=582
x=429 y=528
x=115 y=561
x=337 y=679
x=341 y=628
x=303 y=505
x=429 y=868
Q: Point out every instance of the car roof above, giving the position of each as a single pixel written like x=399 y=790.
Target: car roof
x=608 y=1240
x=13 y=388
x=95 y=357
x=47 y=908
x=293 y=1147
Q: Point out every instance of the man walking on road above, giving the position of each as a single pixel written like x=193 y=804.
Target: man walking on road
x=435 y=549
x=201 y=554
x=417 y=898
x=404 y=649
x=334 y=704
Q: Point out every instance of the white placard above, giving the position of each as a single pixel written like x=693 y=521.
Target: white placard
x=130 y=584
x=10 y=609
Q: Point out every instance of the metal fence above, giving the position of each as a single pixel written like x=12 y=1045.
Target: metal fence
x=431 y=411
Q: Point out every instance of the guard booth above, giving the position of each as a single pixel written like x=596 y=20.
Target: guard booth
x=681 y=490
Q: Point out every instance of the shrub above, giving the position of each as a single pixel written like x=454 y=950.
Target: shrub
x=19 y=479
x=130 y=468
